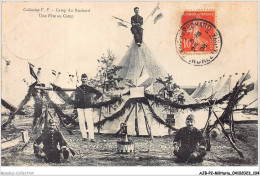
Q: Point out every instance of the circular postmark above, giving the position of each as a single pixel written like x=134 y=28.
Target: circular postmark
x=198 y=42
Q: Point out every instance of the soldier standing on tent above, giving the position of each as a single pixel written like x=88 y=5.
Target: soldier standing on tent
x=136 y=29
x=50 y=139
x=85 y=96
x=189 y=143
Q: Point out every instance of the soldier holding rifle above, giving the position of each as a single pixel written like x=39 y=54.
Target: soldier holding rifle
x=189 y=143
x=50 y=139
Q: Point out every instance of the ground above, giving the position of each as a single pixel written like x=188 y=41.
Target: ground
x=156 y=152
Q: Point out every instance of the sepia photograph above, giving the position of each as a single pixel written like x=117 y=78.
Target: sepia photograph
x=129 y=83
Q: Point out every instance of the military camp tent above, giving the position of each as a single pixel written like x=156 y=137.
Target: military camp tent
x=139 y=65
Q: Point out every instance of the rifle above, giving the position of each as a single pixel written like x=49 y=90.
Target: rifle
x=196 y=150
x=45 y=157
x=70 y=149
x=203 y=134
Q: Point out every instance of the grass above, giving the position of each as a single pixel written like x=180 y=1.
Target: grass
x=158 y=152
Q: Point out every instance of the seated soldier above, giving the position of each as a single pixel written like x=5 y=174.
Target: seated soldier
x=189 y=144
x=136 y=29
x=50 y=139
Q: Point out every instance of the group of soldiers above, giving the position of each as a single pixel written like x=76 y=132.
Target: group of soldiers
x=189 y=143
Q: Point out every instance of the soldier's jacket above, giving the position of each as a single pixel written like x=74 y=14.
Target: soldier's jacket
x=84 y=96
x=189 y=139
x=50 y=140
x=137 y=19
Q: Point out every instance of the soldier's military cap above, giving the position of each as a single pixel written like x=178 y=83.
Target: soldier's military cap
x=190 y=117
x=51 y=121
x=84 y=75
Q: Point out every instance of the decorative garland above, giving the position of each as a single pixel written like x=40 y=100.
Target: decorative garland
x=128 y=105
x=151 y=97
x=70 y=101
x=107 y=103
x=119 y=113
x=160 y=101
x=157 y=118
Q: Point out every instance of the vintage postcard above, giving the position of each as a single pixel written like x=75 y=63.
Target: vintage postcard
x=128 y=83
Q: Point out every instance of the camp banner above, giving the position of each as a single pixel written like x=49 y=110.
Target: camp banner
x=113 y=84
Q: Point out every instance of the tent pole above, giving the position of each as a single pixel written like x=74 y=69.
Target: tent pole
x=206 y=130
x=232 y=127
x=228 y=137
x=207 y=123
x=136 y=121
x=148 y=128
x=99 y=119
x=129 y=113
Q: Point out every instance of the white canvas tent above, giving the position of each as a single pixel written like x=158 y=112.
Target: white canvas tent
x=207 y=92
x=196 y=90
x=15 y=84
x=218 y=86
x=137 y=60
x=225 y=89
x=62 y=80
x=111 y=127
x=139 y=63
x=201 y=90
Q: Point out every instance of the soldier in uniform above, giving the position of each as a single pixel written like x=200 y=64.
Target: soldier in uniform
x=136 y=29
x=189 y=143
x=85 y=96
x=50 y=139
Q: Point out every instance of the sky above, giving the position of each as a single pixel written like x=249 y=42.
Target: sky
x=74 y=44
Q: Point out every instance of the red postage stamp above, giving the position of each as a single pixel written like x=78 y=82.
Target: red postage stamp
x=198 y=36
x=197 y=39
